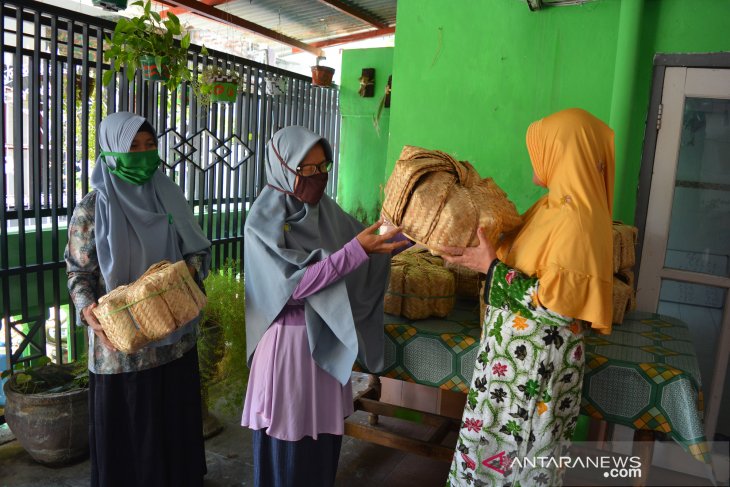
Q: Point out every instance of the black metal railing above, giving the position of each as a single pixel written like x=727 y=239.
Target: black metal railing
x=52 y=103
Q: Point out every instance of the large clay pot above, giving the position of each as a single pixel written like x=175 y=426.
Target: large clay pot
x=52 y=427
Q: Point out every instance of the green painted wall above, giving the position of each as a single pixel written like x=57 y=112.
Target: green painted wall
x=469 y=80
x=362 y=148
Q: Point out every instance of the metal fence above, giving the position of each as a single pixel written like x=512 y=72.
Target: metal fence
x=52 y=102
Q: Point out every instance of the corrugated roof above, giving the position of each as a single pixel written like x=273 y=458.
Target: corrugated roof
x=310 y=20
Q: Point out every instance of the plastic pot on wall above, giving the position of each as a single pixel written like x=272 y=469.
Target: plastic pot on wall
x=322 y=75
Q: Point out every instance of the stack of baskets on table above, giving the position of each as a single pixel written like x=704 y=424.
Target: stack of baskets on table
x=423 y=285
x=419 y=286
x=437 y=200
x=163 y=299
x=624 y=258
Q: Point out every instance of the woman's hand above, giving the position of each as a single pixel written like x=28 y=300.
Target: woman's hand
x=477 y=258
x=372 y=243
x=90 y=318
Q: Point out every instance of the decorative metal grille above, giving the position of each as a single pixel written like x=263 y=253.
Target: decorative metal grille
x=52 y=102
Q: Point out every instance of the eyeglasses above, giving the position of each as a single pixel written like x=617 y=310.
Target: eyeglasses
x=312 y=169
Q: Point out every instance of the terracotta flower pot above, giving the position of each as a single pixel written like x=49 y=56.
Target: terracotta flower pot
x=322 y=75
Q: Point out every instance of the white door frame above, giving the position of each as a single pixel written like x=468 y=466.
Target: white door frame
x=678 y=84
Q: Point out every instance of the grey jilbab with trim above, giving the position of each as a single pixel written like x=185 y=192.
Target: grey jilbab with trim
x=282 y=237
x=139 y=225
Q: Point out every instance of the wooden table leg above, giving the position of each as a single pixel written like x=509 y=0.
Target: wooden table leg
x=376 y=386
x=644 y=449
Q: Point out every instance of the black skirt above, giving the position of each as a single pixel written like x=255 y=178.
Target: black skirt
x=304 y=463
x=146 y=427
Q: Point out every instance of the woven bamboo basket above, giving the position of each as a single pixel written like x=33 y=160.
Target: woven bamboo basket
x=467 y=281
x=624 y=246
x=419 y=286
x=627 y=277
x=438 y=200
x=119 y=326
x=621 y=300
x=155 y=305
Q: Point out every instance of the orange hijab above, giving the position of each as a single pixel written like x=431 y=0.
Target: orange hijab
x=566 y=240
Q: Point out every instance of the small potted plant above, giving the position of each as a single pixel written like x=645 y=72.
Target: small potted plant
x=322 y=75
x=148 y=42
x=220 y=85
x=47 y=409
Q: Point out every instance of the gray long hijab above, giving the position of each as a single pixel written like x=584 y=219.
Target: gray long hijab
x=282 y=237
x=137 y=226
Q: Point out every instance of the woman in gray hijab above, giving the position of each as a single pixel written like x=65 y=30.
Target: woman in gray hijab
x=145 y=425
x=315 y=281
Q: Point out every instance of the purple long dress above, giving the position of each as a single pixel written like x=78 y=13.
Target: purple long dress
x=288 y=394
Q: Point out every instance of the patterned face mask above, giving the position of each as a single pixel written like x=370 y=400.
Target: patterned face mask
x=308 y=189
x=134 y=167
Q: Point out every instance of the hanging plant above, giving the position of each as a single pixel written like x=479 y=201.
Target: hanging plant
x=149 y=42
x=220 y=85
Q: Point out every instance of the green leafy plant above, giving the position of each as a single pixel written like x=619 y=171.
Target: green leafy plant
x=226 y=310
x=149 y=35
x=204 y=84
x=46 y=377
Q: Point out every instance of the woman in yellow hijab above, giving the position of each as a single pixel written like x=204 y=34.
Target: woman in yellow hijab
x=543 y=282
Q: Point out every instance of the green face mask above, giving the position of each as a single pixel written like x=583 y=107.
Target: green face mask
x=134 y=167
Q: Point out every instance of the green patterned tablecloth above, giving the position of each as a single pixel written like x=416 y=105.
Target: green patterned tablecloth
x=645 y=376
x=437 y=352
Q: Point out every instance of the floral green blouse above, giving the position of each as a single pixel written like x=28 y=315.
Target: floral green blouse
x=86 y=286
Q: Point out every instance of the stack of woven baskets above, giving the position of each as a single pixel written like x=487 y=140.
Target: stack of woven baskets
x=624 y=258
x=163 y=299
x=419 y=286
x=438 y=200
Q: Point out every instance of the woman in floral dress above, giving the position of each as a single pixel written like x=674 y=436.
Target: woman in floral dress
x=544 y=283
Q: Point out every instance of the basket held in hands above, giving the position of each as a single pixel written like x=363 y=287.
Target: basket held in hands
x=162 y=300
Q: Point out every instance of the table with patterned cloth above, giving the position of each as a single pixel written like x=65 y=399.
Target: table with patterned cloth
x=437 y=352
x=644 y=375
